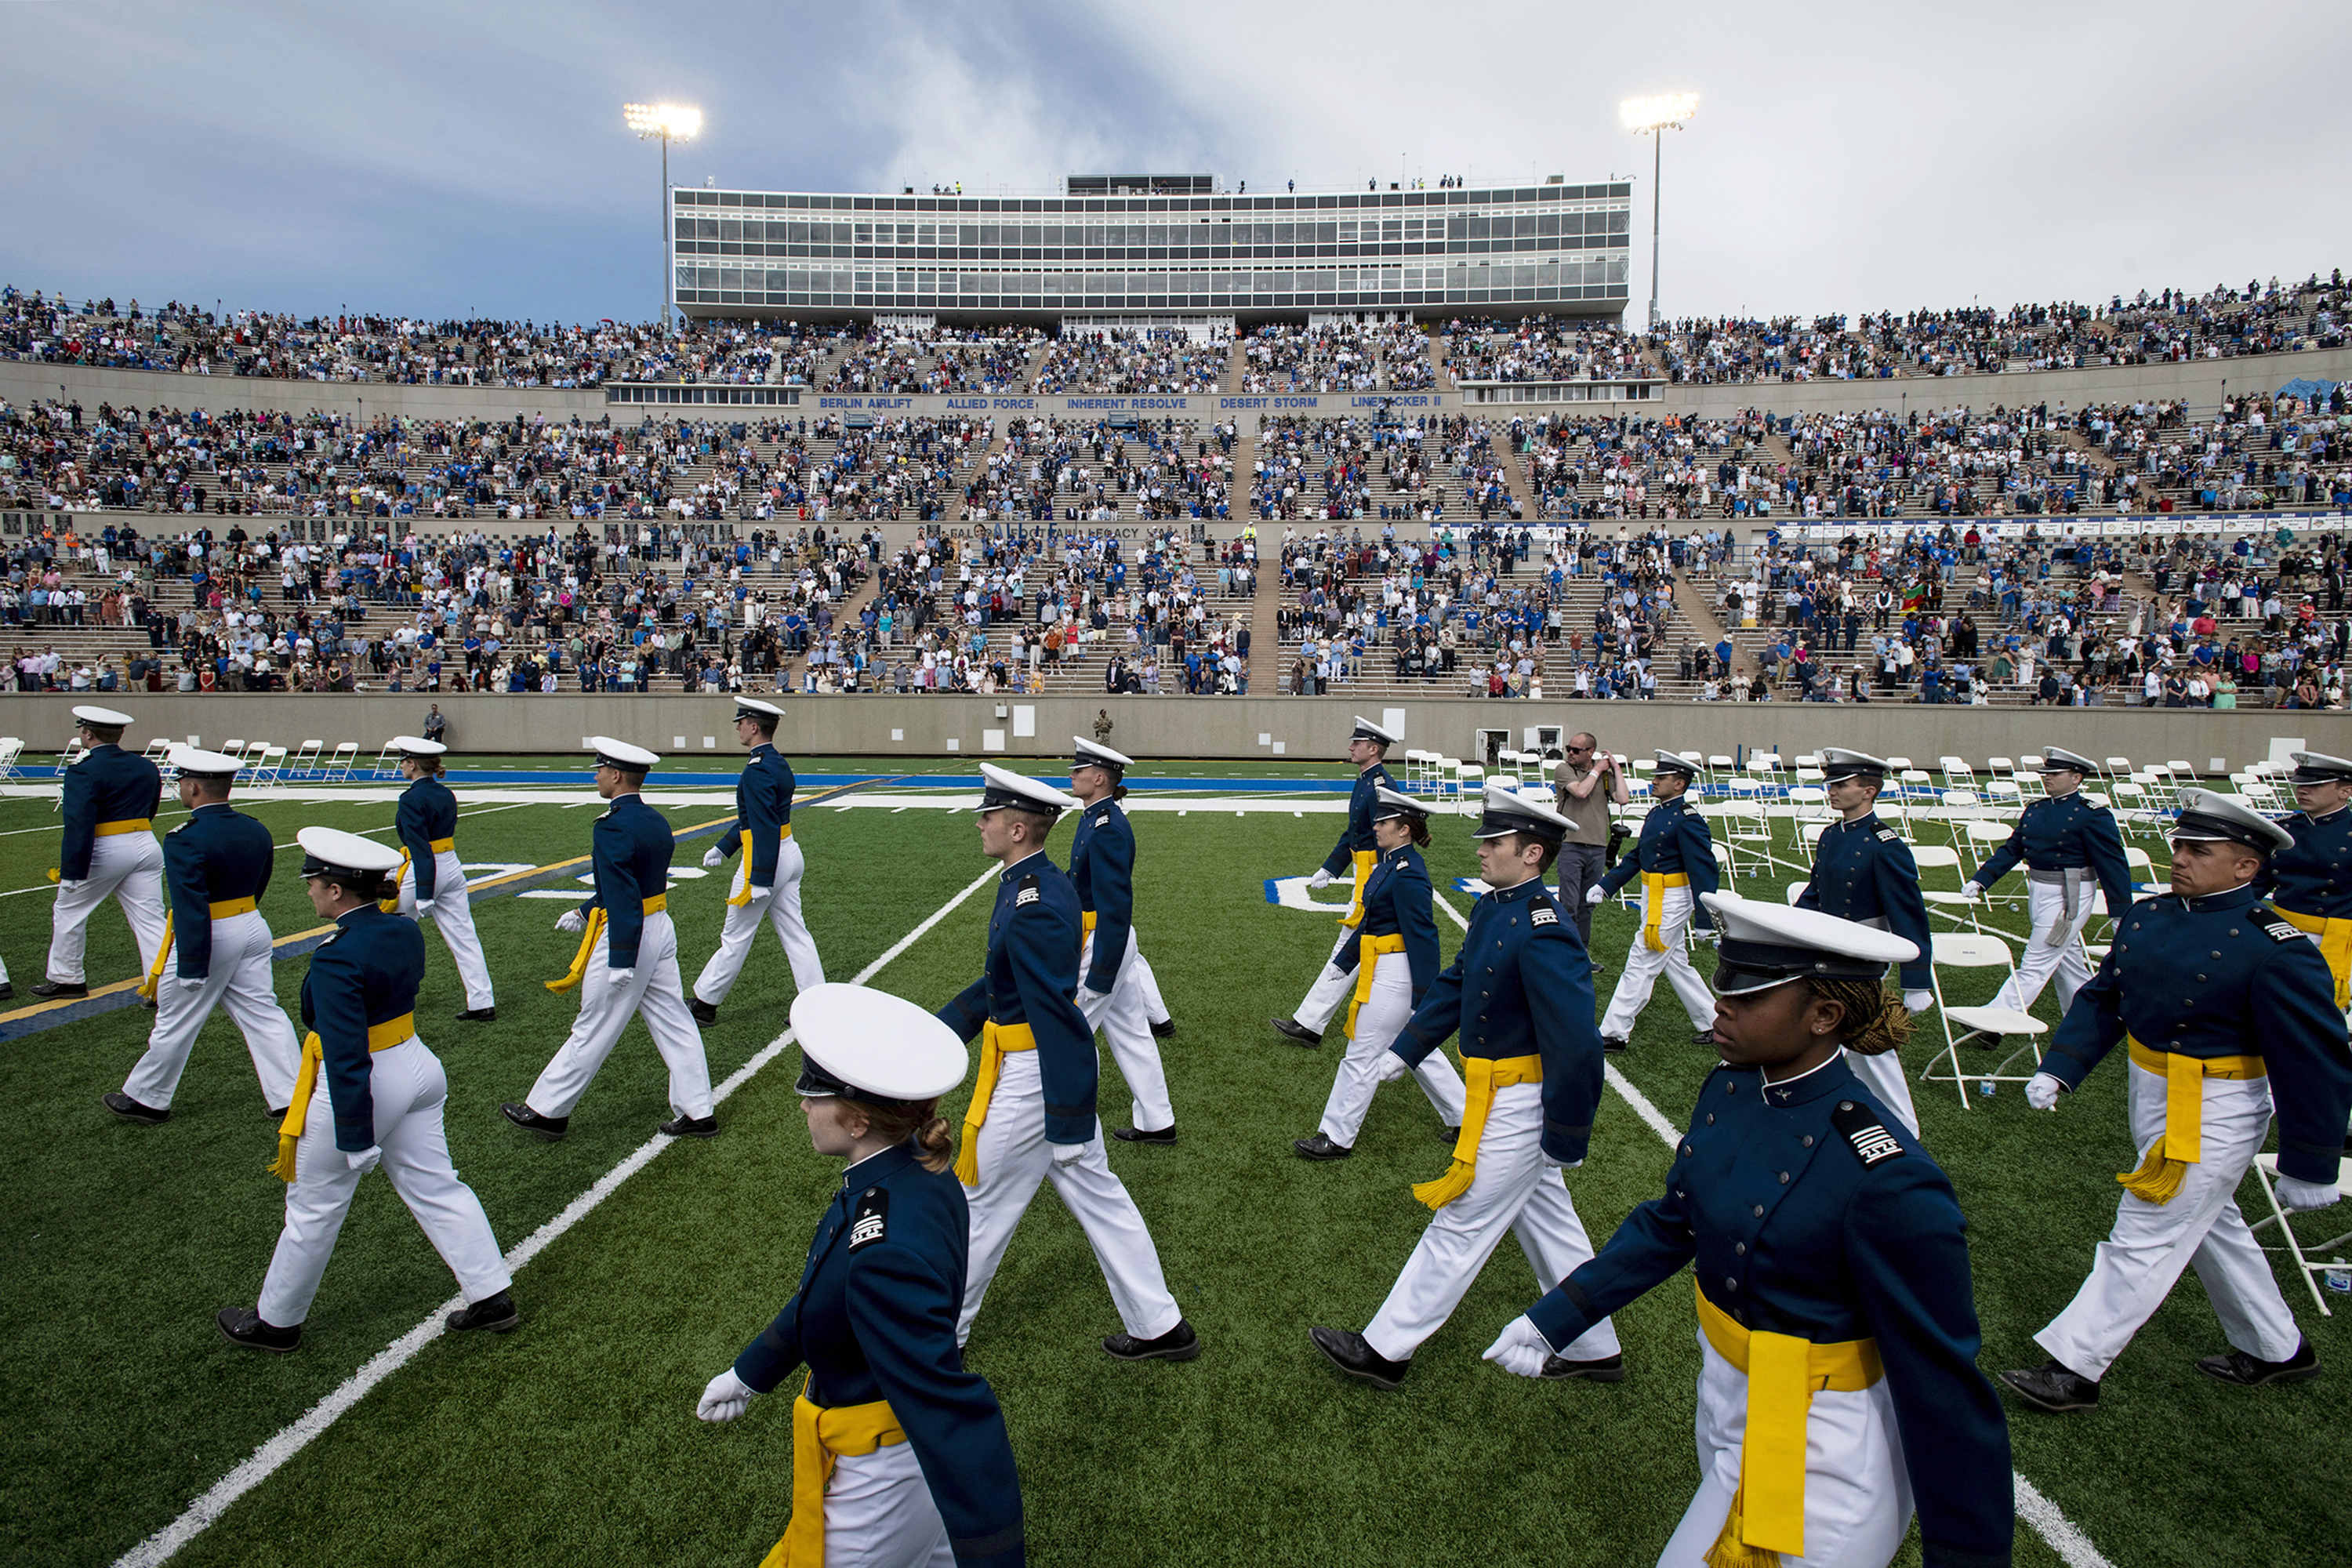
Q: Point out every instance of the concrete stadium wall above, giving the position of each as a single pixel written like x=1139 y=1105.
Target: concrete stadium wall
x=929 y=728
x=21 y=381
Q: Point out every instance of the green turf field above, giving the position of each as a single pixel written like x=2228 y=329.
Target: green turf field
x=573 y=1439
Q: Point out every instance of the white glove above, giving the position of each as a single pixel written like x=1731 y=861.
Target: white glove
x=188 y=983
x=1971 y=890
x=1520 y=1349
x=2294 y=1195
x=1319 y=881
x=711 y=860
x=1916 y=1002
x=573 y=922
x=1707 y=938
x=1089 y=996
x=1392 y=1066
x=1594 y=894
x=366 y=1160
x=756 y=892
x=2042 y=1091
x=616 y=978
x=424 y=906
x=1067 y=1153
x=724 y=1398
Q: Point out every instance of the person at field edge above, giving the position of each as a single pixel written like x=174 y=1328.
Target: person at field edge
x=1114 y=972
x=2067 y=845
x=1368 y=748
x=627 y=962
x=369 y=1093
x=2310 y=884
x=1838 y=1388
x=109 y=850
x=1584 y=786
x=1031 y=1113
x=1395 y=963
x=2229 y=1016
x=217 y=947
x=1519 y=995
x=431 y=880
x=1675 y=858
x=901 y=1457
x=768 y=887
x=1864 y=873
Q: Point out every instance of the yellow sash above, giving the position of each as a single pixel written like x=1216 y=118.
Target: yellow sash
x=1654 y=903
x=2335 y=945
x=224 y=908
x=996 y=1040
x=1087 y=921
x=819 y=1437
x=1365 y=860
x=381 y=1037
x=573 y=976
x=163 y=951
x=744 y=837
x=128 y=825
x=2158 y=1180
x=1768 y=1513
x=1368 y=957
x=1484 y=1075
x=391 y=905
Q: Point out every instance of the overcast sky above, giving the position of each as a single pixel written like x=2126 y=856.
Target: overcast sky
x=437 y=159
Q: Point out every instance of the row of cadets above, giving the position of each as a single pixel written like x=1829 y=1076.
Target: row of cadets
x=217 y=947
x=1838 y=1386
x=1116 y=981
x=2068 y=845
x=767 y=888
x=626 y=963
x=1031 y=1113
x=1368 y=748
x=109 y=801
x=1864 y=873
x=370 y=1092
x=1395 y=961
x=1519 y=995
x=1675 y=858
x=2310 y=883
x=901 y=1457
x=2229 y=1016
x=430 y=880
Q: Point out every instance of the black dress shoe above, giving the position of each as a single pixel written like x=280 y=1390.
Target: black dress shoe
x=1607 y=1369
x=1449 y=1136
x=477 y=1016
x=1178 y=1343
x=1295 y=1032
x=2053 y=1387
x=496 y=1313
x=6 y=990
x=2251 y=1371
x=531 y=1121
x=704 y=1012
x=1320 y=1147
x=1138 y=1136
x=1980 y=1040
x=276 y=1115
x=244 y=1326
x=1611 y=1045
x=1348 y=1353
x=129 y=1110
x=61 y=988
x=1704 y=1038
x=685 y=1126
x=149 y=1003
x=1162 y=1029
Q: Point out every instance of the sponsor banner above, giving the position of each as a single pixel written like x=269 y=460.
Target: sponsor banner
x=1086 y=407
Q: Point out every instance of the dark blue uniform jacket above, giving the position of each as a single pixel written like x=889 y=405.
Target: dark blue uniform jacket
x=427 y=811
x=1102 y=870
x=217 y=855
x=1397 y=900
x=1674 y=839
x=366 y=974
x=108 y=784
x=764 y=803
x=2061 y=834
x=1863 y=871
x=630 y=847
x=2315 y=878
x=1358 y=834
x=1033 y=971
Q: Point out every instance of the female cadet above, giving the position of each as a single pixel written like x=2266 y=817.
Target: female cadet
x=1394 y=959
x=382 y=1093
x=899 y=1455
x=1837 y=1325
x=431 y=880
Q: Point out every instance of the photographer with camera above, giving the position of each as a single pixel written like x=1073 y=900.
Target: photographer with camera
x=1584 y=786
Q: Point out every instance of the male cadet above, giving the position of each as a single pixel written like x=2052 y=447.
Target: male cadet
x=2068 y=843
x=1863 y=872
x=1674 y=856
x=633 y=969
x=2226 y=1012
x=1031 y=1113
x=216 y=866
x=2310 y=885
x=1366 y=748
x=431 y=880
x=1112 y=968
x=768 y=885
x=109 y=848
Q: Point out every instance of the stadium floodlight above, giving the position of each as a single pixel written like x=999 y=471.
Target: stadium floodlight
x=670 y=122
x=1654 y=117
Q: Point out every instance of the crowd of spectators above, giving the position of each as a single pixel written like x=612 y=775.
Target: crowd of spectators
x=1163 y=360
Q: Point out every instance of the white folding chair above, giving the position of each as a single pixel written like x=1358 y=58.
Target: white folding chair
x=11 y=748
x=1945 y=901
x=387 y=762
x=339 y=766
x=306 y=758
x=2266 y=1170
x=1957 y=950
x=269 y=769
x=1469 y=788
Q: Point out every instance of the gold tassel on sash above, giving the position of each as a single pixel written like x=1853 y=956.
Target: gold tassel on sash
x=147 y=987
x=2335 y=945
x=391 y=905
x=1484 y=1075
x=2182 y=1142
x=579 y=969
x=1365 y=860
x=1367 y=956
x=996 y=1040
x=1653 y=904
x=381 y=1037
x=820 y=1436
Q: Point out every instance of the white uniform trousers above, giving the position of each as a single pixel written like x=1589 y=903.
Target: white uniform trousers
x=878 y=1513
x=237 y=980
x=1513 y=1191
x=1883 y=1075
x=1379 y=1020
x=1643 y=966
x=2136 y=1267
x=1014 y=1158
x=1857 y=1488
x=781 y=910
x=1124 y=1018
x=1331 y=989
x=1155 y=1006
x=652 y=990
x=409 y=1089
x=127 y=867
x=2040 y=961
x=453 y=917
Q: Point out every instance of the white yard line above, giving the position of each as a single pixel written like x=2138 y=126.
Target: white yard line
x=266 y=1460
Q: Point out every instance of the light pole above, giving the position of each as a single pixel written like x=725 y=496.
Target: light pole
x=671 y=122
x=1654 y=117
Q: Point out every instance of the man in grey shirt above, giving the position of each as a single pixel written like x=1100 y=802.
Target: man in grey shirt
x=1584 y=787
